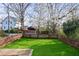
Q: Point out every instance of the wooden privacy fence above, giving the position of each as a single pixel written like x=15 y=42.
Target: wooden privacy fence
x=29 y=33
x=34 y=34
x=9 y=39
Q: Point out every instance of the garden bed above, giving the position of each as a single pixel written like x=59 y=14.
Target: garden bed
x=70 y=41
x=4 y=41
x=0 y=37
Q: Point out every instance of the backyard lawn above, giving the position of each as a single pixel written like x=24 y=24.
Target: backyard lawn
x=45 y=47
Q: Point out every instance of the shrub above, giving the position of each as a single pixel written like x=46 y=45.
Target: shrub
x=70 y=27
x=2 y=33
x=13 y=31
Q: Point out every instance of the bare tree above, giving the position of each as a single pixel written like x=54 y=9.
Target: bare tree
x=38 y=11
x=57 y=12
x=19 y=10
x=8 y=19
x=54 y=14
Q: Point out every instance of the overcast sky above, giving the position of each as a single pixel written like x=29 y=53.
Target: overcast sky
x=3 y=13
x=30 y=10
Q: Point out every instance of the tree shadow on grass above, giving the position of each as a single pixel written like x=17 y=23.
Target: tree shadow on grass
x=54 y=50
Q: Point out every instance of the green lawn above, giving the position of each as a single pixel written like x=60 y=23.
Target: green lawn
x=45 y=47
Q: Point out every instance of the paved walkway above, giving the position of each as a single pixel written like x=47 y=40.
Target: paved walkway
x=15 y=52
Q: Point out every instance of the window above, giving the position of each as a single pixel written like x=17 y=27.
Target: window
x=10 y=22
x=4 y=27
x=6 y=22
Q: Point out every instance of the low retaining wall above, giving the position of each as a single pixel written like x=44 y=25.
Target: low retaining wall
x=72 y=42
x=9 y=39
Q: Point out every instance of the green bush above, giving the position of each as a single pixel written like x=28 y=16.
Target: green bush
x=13 y=31
x=2 y=33
x=61 y=32
x=70 y=27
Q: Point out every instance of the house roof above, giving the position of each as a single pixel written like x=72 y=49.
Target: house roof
x=31 y=28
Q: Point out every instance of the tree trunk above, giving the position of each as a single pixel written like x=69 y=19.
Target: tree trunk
x=37 y=33
x=54 y=31
x=22 y=26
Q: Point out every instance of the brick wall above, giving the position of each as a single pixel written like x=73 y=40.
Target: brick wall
x=72 y=42
x=9 y=39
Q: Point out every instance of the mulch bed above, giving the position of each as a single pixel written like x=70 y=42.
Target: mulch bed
x=70 y=41
x=4 y=41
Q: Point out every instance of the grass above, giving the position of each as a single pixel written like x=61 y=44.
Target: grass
x=45 y=47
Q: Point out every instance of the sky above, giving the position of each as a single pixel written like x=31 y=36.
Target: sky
x=3 y=14
x=30 y=11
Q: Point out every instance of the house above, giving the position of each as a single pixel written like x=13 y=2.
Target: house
x=18 y=25
x=0 y=24
x=8 y=24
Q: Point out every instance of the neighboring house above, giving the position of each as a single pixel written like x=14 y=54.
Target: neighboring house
x=18 y=25
x=8 y=24
x=0 y=23
x=0 y=26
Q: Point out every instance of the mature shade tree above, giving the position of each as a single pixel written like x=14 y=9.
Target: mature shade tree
x=53 y=12
x=39 y=16
x=51 y=15
x=18 y=10
x=8 y=13
x=57 y=12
